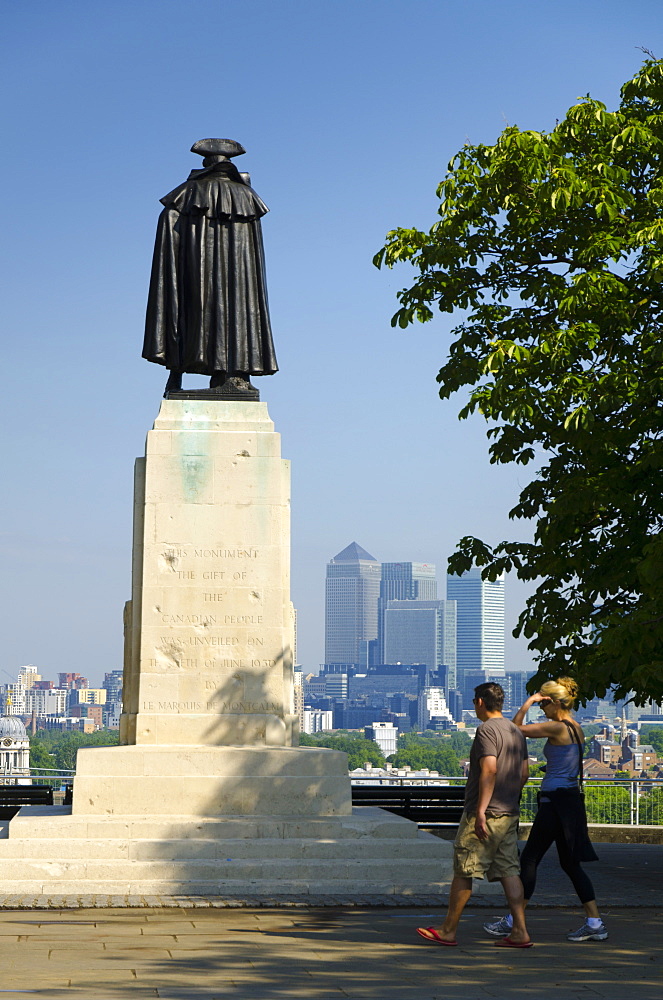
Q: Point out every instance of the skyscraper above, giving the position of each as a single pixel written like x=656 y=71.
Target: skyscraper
x=351 y=606
x=433 y=710
x=403 y=581
x=480 y=623
x=421 y=632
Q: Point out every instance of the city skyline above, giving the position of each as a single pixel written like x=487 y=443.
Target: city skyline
x=117 y=97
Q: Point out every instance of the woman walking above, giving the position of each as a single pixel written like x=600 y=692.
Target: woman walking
x=561 y=817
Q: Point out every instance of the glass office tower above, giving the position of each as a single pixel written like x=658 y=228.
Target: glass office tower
x=351 y=607
x=403 y=581
x=422 y=632
x=479 y=624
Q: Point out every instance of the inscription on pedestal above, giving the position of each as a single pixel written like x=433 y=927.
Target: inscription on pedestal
x=212 y=629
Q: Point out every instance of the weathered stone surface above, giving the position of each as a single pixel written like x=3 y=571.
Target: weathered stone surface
x=366 y=854
x=209 y=626
x=152 y=781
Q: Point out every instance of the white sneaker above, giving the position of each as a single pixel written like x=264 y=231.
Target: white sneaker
x=587 y=933
x=498 y=928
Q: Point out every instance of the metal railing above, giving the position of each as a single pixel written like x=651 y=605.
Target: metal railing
x=56 y=776
x=618 y=801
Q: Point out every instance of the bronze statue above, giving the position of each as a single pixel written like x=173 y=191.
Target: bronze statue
x=207 y=309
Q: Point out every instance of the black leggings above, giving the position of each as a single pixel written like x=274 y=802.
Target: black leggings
x=547 y=828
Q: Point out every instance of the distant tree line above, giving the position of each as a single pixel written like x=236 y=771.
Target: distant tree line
x=51 y=748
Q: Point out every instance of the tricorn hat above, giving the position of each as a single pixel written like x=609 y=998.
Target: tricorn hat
x=218 y=147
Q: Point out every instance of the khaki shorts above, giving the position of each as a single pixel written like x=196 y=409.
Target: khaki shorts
x=494 y=858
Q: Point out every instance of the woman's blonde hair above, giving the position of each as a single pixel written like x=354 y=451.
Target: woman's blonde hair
x=564 y=690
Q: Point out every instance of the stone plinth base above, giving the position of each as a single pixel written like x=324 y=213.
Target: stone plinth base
x=370 y=853
x=211 y=781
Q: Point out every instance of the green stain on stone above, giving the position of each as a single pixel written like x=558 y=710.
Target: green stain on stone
x=196 y=466
x=196 y=474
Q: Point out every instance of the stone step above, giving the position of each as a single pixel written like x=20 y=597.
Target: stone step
x=237 y=889
x=50 y=852
x=247 y=869
x=57 y=821
x=79 y=848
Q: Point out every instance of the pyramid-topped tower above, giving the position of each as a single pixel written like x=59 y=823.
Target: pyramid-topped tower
x=351 y=607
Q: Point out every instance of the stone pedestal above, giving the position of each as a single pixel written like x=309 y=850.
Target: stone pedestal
x=209 y=793
x=211 y=781
x=210 y=623
x=208 y=725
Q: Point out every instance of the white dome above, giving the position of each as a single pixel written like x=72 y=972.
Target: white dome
x=11 y=725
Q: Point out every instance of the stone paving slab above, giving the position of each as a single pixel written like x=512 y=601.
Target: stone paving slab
x=318 y=954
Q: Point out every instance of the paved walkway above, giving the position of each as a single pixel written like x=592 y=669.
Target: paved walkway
x=203 y=950
x=260 y=954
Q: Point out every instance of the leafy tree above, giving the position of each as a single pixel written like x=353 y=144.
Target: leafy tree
x=607 y=805
x=360 y=751
x=651 y=807
x=550 y=245
x=434 y=752
x=653 y=737
x=535 y=749
x=461 y=743
x=40 y=755
x=60 y=748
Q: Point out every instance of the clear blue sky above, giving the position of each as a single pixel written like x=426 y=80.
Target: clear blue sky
x=349 y=111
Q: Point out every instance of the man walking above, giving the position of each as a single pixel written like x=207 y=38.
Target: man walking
x=486 y=845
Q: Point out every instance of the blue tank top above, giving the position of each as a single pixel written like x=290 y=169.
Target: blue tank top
x=562 y=766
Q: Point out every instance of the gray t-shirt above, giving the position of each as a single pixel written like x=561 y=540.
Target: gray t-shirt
x=498 y=738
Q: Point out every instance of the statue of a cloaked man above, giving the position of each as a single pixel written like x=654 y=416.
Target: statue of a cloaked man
x=207 y=310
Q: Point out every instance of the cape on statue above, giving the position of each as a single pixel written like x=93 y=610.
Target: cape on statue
x=207 y=309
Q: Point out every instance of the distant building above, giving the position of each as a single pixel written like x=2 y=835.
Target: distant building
x=403 y=581
x=604 y=751
x=113 y=685
x=351 y=597
x=473 y=678
x=455 y=704
x=94 y=712
x=43 y=702
x=597 y=708
x=383 y=682
x=330 y=683
x=299 y=696
x=317 y=721
x=313 y=686
x=336 y=685
x=68 y=724
x=479 y=624
x=72 y=682
x=385 y=734
x=637 y=759
x=112 y=715
x=515 y=688
x=113 y=708
x=432 y=708
x=88 y=696
x=13 y=695
x=592 y=768
x=354 y=716
x=14 y=751
x=369 y=774
x=421 y=632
